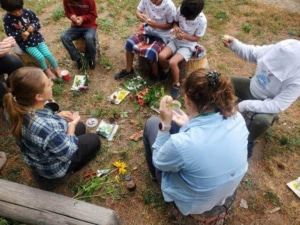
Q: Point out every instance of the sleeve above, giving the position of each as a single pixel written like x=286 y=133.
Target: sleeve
x=141 y=6
x=12 y=29
x=34 y=20
x=92 y=15
x=165 y=155
x=177 y=14
x=200 y=31
x=171 y=13
x=276 y=105
x=68 y=13
x=61 y=145
x=247 y=52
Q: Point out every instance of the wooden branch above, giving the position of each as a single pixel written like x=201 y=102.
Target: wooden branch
x=35 y=206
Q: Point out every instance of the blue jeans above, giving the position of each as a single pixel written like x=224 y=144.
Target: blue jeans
x=74 y=33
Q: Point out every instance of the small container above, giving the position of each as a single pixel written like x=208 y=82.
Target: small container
x=130 y=184
x=65 y=75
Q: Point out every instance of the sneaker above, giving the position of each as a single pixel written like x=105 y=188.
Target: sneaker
x=175 y=91
x=92 y=64
x=123 y=73
x=79 y=64
x=153 y=80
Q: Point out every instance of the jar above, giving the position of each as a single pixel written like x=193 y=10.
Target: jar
x=130 y=184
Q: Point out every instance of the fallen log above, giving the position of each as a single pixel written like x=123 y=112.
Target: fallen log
x=34 y=206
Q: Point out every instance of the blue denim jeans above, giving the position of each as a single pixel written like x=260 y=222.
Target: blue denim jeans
x=74 y=33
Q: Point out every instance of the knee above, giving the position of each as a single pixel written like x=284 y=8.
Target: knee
x=161 y=57
x=65 y=38
x=260 y=120
x=39 y=57
x=172 y=63
x=94 y=138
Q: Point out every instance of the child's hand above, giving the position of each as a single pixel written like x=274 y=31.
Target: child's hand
x=143 y=17
x=30 y=29
x=151 y=22
x=25 y=35
x=227 y=39
x=79 y=20
x=73 y=18
x=180 y=35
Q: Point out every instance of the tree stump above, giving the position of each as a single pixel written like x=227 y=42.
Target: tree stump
x=27 y=59
x=193 y=64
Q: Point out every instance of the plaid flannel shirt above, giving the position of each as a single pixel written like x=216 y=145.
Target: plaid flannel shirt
x=45 y=144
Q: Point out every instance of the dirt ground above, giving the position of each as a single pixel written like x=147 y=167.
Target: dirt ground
x=131 y=207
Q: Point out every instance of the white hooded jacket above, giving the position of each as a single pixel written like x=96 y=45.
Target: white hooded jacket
x=276 y=82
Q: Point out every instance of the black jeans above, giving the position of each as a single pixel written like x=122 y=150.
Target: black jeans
x=8 y=64
x=88 y=146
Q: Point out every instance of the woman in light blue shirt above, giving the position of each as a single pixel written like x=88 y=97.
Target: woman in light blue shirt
x=200 y=158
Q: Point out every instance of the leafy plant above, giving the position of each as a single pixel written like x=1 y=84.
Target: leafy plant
x=58 y=13
x=153 y=96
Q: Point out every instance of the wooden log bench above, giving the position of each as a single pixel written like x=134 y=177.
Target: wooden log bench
x=193 y=64
x=184 y=67
x=35 y=206
x=27 y=59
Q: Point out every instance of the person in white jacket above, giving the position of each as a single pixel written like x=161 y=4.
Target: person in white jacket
x=274 y=86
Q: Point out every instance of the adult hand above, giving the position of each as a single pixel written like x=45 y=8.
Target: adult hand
x=180 y=117
x=227 y=39
x=10 y=40
x=4 y=48
x=72 y=124
x=165 y=110
x=66 y=115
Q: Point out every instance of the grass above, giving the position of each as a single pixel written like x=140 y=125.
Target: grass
x=244 y=19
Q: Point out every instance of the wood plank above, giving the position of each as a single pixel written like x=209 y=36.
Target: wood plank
x=35 y=206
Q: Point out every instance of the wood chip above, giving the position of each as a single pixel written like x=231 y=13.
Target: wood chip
x=136 y=136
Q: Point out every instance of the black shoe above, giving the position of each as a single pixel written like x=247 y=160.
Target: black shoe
x=123 y=73
x=153 y=80
x=79 y=64
x=92 y=64
x=165 y=76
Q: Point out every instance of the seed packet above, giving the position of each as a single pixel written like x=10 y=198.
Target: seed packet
x=79 y=83
x=107 y=130
x=118 y=96
x=294 y=185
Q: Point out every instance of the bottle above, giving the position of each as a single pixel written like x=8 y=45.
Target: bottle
x=130 y=184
